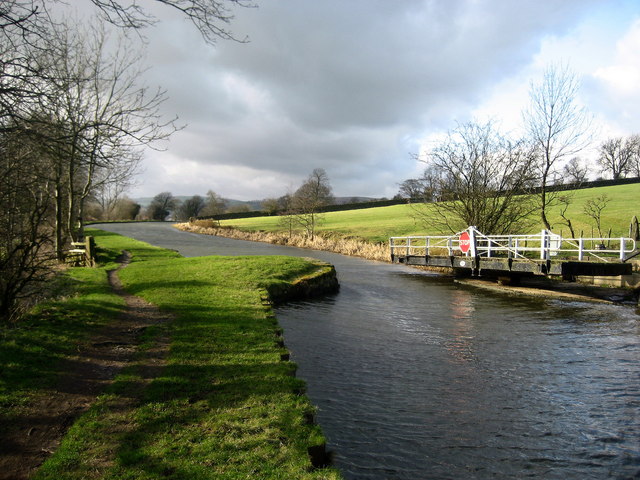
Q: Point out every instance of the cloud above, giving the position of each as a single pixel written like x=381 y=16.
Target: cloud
x=615 y=86
x=351 y=87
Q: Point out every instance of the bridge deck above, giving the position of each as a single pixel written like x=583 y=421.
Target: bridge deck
x=568 y=269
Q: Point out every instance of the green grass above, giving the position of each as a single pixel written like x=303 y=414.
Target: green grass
x=378 y=224
x=224 y=406
x=30 y=353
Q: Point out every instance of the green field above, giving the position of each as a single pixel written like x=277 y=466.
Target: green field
x=225 y=405
x=378 y=224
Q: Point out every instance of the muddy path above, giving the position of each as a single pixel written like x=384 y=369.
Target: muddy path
x=30 y=439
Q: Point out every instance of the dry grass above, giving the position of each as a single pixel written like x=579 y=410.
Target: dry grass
x=344 y=245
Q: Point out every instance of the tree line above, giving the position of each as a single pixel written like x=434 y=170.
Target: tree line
x=477 y=175
x=300 y=209
x=75 y=117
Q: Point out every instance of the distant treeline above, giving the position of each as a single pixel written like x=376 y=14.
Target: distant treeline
x=595 y=183
x=400 y=201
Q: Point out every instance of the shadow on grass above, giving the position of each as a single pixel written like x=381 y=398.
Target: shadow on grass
x=222 y=401
x=33 y=355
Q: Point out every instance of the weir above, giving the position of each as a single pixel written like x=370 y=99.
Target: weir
x=472 y=252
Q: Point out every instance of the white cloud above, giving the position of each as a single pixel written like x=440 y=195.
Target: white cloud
x=616 y=86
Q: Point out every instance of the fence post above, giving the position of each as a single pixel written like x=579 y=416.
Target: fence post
x=621 y=249
x=408 y=245
x=90 y=251
x=472 y=238
x=427 y=246
x=543 y=245
x=580 y=249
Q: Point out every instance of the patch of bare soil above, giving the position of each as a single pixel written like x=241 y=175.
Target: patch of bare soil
x=30 y=439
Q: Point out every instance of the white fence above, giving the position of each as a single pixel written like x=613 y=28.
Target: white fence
x=543 y=245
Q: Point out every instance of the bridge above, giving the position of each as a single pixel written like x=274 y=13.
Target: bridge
x=472 y=252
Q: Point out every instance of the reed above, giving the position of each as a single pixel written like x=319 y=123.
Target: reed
x=326 y=241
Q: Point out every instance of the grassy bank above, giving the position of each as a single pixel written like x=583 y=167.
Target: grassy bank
x=224 y=405
x=378 y=224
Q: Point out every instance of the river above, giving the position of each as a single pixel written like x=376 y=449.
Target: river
x=416 y=377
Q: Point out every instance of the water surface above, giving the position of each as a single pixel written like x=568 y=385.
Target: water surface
x=416 y=377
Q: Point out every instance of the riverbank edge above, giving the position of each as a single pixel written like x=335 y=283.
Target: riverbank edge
x=344 y=245
x=378 y=252
x=324 y=281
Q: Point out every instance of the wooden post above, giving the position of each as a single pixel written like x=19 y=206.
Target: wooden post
x=90 y=251
x=634 y=229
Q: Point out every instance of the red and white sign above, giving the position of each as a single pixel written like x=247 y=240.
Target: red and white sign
x=464 y=241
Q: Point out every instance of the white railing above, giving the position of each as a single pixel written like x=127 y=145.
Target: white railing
x=543 y=246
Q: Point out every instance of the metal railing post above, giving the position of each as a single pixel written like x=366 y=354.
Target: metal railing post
x=621 y=249
x=472 y=235
x=408 y=246
x=580 y=249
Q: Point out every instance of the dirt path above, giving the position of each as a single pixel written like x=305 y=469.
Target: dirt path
x=28 y=441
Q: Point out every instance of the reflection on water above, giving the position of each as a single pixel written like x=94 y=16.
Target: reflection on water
x=416 y=377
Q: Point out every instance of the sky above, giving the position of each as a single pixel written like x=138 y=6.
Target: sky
x=358 y=87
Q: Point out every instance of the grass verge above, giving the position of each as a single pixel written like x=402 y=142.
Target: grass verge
x=224 y=405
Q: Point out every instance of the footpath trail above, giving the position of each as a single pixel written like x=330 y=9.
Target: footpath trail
x=31 y=438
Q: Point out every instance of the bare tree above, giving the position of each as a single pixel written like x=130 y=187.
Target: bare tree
x=565 y=202
x=190 y=208
x=126 y=209
x=162 y=205
x=617 y=156
x=106 y=116
x=214 y=205
x=594 y=207
x=412 y=189
x=424 y=188
x=270 y=206
x=309 y=198
x=24 y=242
x=110 y=185
x=635 y=166
x=485 y=178
x=558 y=128
x=209 y=16
x=575 y=171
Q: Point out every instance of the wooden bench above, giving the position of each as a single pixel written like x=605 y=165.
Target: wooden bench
x=82 y=253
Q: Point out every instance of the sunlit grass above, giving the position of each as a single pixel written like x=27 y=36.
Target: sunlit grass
x=378 y=224
x=223 y=405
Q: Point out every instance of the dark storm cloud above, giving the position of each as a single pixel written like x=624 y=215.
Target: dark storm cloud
x=350 y=86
